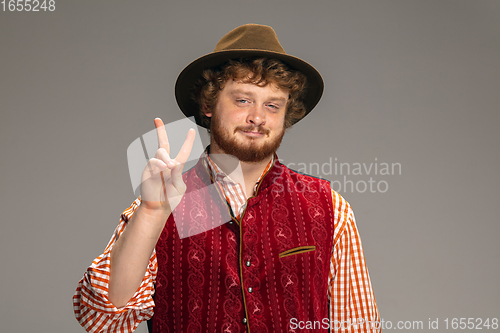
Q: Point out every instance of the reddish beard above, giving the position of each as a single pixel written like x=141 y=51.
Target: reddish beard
x=245 y=152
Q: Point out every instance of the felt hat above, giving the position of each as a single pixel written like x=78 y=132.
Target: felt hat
x=249 y=40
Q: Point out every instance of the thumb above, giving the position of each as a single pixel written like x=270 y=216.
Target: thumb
x=176 y=177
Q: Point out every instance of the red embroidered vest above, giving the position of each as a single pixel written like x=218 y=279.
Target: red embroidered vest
x=249 y=276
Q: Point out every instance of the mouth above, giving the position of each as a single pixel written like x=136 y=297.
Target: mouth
x=253 y=132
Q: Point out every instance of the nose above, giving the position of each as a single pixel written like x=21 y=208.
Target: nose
x=256 y=115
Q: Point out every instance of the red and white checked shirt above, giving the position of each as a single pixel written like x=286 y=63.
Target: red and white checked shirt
x=350 y=291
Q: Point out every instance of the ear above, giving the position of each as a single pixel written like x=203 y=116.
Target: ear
x=206 y=112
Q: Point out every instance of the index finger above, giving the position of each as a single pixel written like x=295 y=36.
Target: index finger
x=162 y=135
x=183 y=154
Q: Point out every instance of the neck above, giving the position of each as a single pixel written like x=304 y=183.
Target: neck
x=244 y=173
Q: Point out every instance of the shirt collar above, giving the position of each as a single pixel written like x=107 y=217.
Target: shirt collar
x=218 y=174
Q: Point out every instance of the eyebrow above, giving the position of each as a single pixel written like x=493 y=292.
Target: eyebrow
x=278 y=99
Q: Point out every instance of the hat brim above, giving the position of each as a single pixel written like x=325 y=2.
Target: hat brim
x=187 y=78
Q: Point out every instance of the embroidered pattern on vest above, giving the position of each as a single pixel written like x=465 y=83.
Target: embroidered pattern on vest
x=203 y=281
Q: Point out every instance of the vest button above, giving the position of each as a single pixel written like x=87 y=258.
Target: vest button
x=250 y=289
x=231 y=222
x=248 y=263
x=244 y=321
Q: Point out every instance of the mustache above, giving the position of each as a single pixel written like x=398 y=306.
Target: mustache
x=251 y=128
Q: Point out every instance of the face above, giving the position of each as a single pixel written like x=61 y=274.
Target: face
x=248 y=121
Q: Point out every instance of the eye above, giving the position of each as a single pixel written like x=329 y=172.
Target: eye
x=273 y=106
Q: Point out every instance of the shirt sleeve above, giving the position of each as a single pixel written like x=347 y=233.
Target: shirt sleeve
x=92 y=308
x=352 y=303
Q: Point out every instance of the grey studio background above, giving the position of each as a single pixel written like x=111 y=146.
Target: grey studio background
x=410 y=83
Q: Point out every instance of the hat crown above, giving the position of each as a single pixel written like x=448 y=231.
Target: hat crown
x=250 y=37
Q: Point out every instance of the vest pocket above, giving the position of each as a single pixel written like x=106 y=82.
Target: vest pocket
x=297 y=250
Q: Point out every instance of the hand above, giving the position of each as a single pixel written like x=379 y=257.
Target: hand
x=162 y=186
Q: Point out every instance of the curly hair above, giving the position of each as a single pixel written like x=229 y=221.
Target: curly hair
x=260 y=71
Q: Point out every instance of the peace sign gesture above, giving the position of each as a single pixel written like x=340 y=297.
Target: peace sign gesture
x=162 y=186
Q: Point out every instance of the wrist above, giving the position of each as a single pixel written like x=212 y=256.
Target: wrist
x=153 y=212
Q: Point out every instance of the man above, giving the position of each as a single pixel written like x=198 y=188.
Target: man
x=289 y=257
